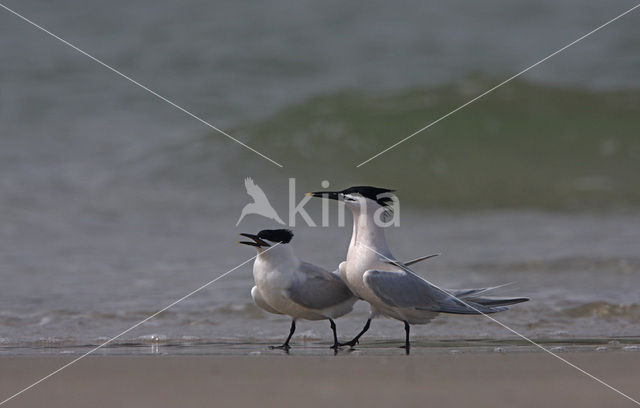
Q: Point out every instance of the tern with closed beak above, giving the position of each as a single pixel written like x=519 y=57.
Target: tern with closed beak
x=286 y=285
x=389 y=286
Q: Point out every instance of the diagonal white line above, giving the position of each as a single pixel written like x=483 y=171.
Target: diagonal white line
x=499 y=85
x=511 y=330
x=138 y=84
x=133 y=327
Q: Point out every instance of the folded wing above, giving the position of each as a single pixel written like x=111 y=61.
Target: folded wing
x=320 y=289
x=473 y=295
x=405 y=289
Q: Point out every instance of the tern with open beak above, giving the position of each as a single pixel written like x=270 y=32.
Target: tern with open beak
x=286 y=285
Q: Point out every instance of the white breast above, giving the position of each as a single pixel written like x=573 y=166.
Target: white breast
x=272 y=281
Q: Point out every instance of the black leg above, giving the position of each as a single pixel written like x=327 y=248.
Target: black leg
x=335 y=335
x=354 y=341
x=285 y=345
x=407 y=344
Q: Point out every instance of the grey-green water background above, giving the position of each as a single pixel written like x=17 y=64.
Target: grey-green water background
x=113 y=204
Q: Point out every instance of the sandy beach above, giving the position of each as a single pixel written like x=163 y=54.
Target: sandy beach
x=478 y=380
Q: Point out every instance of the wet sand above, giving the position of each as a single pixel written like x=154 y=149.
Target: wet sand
x=478 y=380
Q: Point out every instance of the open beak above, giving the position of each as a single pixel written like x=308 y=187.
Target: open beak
x=257 y=241
x=332 y=195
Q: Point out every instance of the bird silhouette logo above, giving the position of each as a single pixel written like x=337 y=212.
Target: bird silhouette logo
x=260 y=204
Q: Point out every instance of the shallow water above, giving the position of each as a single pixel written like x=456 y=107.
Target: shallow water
x=579 y=270
x=307 y=347
x=114 y=204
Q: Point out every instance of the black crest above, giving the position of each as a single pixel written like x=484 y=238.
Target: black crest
x=372 y=193
x=282 y=236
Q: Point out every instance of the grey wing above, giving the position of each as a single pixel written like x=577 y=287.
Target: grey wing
x=422 y=258
x=474 y=295
x=403 y=265
x=321 y=289
x=462 y=293
x=405 y=289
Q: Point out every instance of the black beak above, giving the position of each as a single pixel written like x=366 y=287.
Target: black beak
x=332 y=195
x=257 y=241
